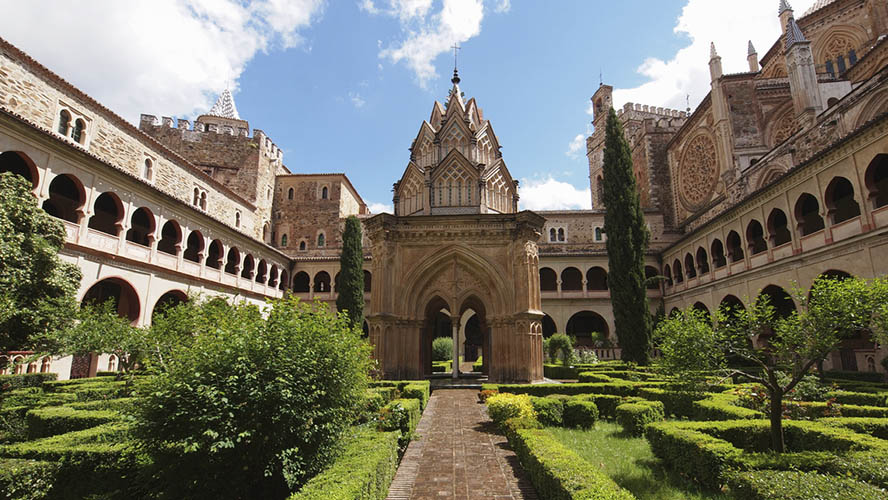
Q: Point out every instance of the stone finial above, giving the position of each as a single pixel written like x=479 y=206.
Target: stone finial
x=784 y=6
x=794 y=34
x=752 y=58
x=750 y=50
x=712 y=53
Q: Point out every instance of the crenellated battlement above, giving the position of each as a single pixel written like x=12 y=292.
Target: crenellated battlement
x=642 y=111
x=203 y=125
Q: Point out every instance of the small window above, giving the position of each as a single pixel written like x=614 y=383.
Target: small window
x=284 y=240
x=148 y=169
x=302 y=245
x=598 y=234
x=203 y=200
x=553 y=235
x=268 y=193
x=852 y=57
x=840 y=62
x=561 y=234
x=830 y=68
x=64 y=122
x=237 y=219
x=196 y=201
x=78 y=133
x=324 y=193
x=321 y=240
x=290 y=193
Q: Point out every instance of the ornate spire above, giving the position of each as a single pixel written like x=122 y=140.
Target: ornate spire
x=794 y=34
x=455 y=79
x=750 y=49
x=224 y=106
x=712 y=53
x=784 y=6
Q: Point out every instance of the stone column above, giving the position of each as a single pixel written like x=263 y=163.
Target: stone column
x=454 y=322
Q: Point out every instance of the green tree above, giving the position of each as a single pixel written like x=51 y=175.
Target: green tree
x=37 y=288
x=781 y=350
x=627 y=241
x=255 y=404
x=351 y=273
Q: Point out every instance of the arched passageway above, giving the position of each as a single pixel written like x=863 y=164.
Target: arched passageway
x=66 y=198
x=588 y=327
x=549 y=327
x=20 y=164
x=123 y=295
x=168 y=300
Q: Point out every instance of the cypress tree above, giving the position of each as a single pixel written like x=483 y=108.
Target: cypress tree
x=627 y=240
x=351 y=273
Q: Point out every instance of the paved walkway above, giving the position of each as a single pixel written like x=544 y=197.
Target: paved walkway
x=459 y=455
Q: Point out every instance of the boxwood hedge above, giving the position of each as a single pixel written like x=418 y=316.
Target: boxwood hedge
x=794 y=485
x=635 y=416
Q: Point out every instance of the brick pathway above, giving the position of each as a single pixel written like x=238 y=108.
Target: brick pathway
x=459 y=455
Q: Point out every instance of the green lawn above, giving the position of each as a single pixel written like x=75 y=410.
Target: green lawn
x=630 y=462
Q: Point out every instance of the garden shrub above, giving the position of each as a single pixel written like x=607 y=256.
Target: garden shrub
x=26 y=479
x=586 y=377
x=34 y=397
x=606 y=403
x=256 y=404
x=698 y=456
x=13 y=424
x=793 y=485
x=561 y=372
x=442 y=349
x=635 y=416
x=402 y=415
x=549 y=411
x=865 y=466
x=580 y=413
x=386 y=393
x=859 y=398
x=417 y=391
x=363 y=471
x=52 y=420
x=876 y=427
x=504 y=406
x=854 y=375
x=119 y=404
x=618 y=388
x=558 y=473
x=560 y=346
x=12 y=382
x=675 y=402
x=484 y=394
x=720 y=406
x=478 y=365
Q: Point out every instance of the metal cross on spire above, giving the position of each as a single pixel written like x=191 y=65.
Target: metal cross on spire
x=455 y=78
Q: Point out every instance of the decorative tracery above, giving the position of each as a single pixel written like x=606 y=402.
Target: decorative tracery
x=698 y=171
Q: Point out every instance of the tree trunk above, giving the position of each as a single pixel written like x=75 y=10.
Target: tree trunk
x=777 y=421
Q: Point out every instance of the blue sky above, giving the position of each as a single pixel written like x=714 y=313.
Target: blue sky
x=343 y=86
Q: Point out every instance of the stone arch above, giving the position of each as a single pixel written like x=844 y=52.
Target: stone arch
x=667 y=272
x=261 y=271
x=480 y=332
x=107 y=214
x=273 y=276
x=437 y=321
x=170 y=238
x=232 y=261
x=755 y=237
x=876 y=178
x=20 y=164
x=596 y=278
x=807 y=214
x=194 y=247
x=839 y=40
x=66 y=198
x=718 y=254
x=248 y=267
x=730 y=305
x=690 y=268
x=735 y=246
x=840 y=202
x=368 y=281
x=871 y=108
x=118 y=290
x=169 y=299
x=778 y=228
x=214 y=254
x=677 y=273
x=322 y=282
x=549 y=326
x=583 y=324
x=783 y=304
x=301 y=282
x=650 y=273
x=571 y=279
x=548 y=280
x=699 y=306
x=284 y=280
x=702 y=261
x=770 y=176
x=142 y=225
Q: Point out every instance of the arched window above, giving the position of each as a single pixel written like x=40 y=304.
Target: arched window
x=782 y=302
x=78 y=134
x=283 y=240
x=571 y=279
x=249 y=264
x=232 y=264
x=596 y=279
x=649 y=274
x=553 y=235
x=731 y=305
x=599 y=234
x=108 y=214
x=301 y=282
x=64 y=122
x=755 y=237
x=261 y=271
x=196 y=199
x=548 y=280
x=148 y=169
x=19 y=164
x=561 y=234
x=676 y=271
x=690 y=268
x=124 y=296
x=699 y=306
x=302 y=245
x=45 y=364
x=840 y=202
x=322 y=282
x=702 y=260
x=718 y=254
x=877 y=180
x=283 y=283
x=588 y=327
x=290 y=193
x=237 y=219
x=273 y=276
x=214 y=255
x=194 y=246
x=735 y=247
x=667 y=272
x=322 y=240
x=66 y=197
x=141 y=227
x=778 y=230
x=203 y=200
x=368 y=279
x=265 y=232
x=807 y=214
x=324 y=193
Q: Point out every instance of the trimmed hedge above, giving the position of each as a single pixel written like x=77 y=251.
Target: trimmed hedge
x=53 y=420
x=675 y=402
x=26 y=479
x=617 y=388
x=549 y=411
x=558 y=473
x=792 y=485
x=364 y=471
x=417 y=391
x=13 y=424
x=561 y=372
x=594 y=377
x=721 y=406
x=12 y=382
x=34 y=397
x=854 y=375
x=635 y=416
x=401 y=415
x=606 y=403
x=580 y=413
x=859 y=398
x=876 y=427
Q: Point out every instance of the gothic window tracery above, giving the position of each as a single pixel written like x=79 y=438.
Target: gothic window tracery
x=698 y=172
x=785 y=127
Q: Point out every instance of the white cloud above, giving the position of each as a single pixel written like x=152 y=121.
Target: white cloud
x=428 y=35
x=550 y=194
x=165 y=56
x=576 y=146
x=378 y=208
x=730 y=26
x=356 y=99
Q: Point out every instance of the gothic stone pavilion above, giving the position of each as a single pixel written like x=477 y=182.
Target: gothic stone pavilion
x=779 y=176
